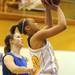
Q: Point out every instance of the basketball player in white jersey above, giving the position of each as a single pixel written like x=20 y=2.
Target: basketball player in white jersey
x=40 y=49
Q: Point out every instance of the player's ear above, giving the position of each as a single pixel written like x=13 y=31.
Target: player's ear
x=27 y=27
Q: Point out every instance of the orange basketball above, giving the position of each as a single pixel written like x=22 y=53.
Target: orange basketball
x=55 y=2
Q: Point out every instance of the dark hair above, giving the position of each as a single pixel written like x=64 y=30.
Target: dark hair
x=56 y=2
x=7 y=43
x=8 y=38
x=12 y=29
x=21 y=26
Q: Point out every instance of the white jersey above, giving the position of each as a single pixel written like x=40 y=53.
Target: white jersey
x=44 y=60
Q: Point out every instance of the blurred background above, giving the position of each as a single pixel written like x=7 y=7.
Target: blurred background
x=11 y=11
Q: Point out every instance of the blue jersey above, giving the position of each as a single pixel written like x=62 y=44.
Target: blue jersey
x=18 y=61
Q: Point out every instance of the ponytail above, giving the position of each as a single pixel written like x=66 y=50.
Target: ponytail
x=7 y=44
x=6 y=49
x=12 y=29
x=8 y=38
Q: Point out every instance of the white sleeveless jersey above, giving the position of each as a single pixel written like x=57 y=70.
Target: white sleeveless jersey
x=44 y=60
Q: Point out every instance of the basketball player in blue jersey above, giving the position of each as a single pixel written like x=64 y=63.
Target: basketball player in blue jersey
x=13 y=62
x=40 y=49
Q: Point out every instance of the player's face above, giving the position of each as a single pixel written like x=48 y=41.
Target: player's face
x=18 y=41
x=33 y=25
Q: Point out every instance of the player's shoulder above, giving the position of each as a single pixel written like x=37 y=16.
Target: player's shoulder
x=8 y=57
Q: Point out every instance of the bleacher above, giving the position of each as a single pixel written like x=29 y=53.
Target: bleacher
x=6 y=4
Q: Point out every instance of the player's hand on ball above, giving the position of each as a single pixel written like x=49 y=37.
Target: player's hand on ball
x=53 y=4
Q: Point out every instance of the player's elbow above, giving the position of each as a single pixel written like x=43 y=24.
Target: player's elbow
x=64 y=26
x=13 y=71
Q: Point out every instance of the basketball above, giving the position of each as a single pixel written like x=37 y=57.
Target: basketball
x=56 y=2
x=53 y=2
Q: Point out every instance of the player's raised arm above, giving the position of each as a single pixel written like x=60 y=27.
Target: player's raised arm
x=46 y=33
